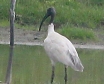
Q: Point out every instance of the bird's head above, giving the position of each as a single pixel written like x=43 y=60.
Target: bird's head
x=50 y=12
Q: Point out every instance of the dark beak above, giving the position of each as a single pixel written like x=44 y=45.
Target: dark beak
x=44 y=18
x=50 y=12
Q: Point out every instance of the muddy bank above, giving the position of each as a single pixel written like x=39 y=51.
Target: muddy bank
x=31 y=37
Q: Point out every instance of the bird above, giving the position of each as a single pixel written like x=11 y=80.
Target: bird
x=59 y=48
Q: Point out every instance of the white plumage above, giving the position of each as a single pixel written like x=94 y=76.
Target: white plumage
x=59 y=48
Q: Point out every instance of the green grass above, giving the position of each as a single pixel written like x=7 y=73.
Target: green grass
x=77 y=33
x=32 y=66
x=83 y=13
x=88 y=14
x=4 y=23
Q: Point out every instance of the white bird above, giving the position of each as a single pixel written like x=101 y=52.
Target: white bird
x=59 y=48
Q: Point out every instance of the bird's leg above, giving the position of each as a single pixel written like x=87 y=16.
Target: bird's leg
x=65 y=78
x=52 y=76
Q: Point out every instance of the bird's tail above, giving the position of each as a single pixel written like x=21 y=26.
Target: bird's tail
x=76 y=63
x=79 y=67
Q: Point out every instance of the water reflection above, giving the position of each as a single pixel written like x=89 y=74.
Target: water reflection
x=32 y=66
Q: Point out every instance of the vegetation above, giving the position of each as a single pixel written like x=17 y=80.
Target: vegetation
x=87 y=13
x=77 y=33
x=73 y=13
x=34 y=67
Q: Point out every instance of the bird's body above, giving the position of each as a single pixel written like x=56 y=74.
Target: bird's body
x=60 y=49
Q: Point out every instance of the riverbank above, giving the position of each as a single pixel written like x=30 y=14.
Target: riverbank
x=33 y=37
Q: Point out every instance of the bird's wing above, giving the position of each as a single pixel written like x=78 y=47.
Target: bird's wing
x=73 y=55
x=60 y=45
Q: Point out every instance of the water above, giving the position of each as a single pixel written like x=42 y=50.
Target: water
x=32 y=66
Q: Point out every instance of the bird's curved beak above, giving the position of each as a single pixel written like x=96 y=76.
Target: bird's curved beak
x=44 y=18
x=50 y=12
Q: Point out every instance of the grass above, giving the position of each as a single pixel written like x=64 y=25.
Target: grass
x=88 y=14
x=4 y=23
x=83 y=13
x=77 y=33
x=32 y=66
x=70 y=32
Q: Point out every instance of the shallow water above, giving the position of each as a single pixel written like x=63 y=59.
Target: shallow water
x=32 y=66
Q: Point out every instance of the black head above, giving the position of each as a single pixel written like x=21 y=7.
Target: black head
x=50 y=12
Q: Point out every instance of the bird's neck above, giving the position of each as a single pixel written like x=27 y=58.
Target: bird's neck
x=50 y=28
